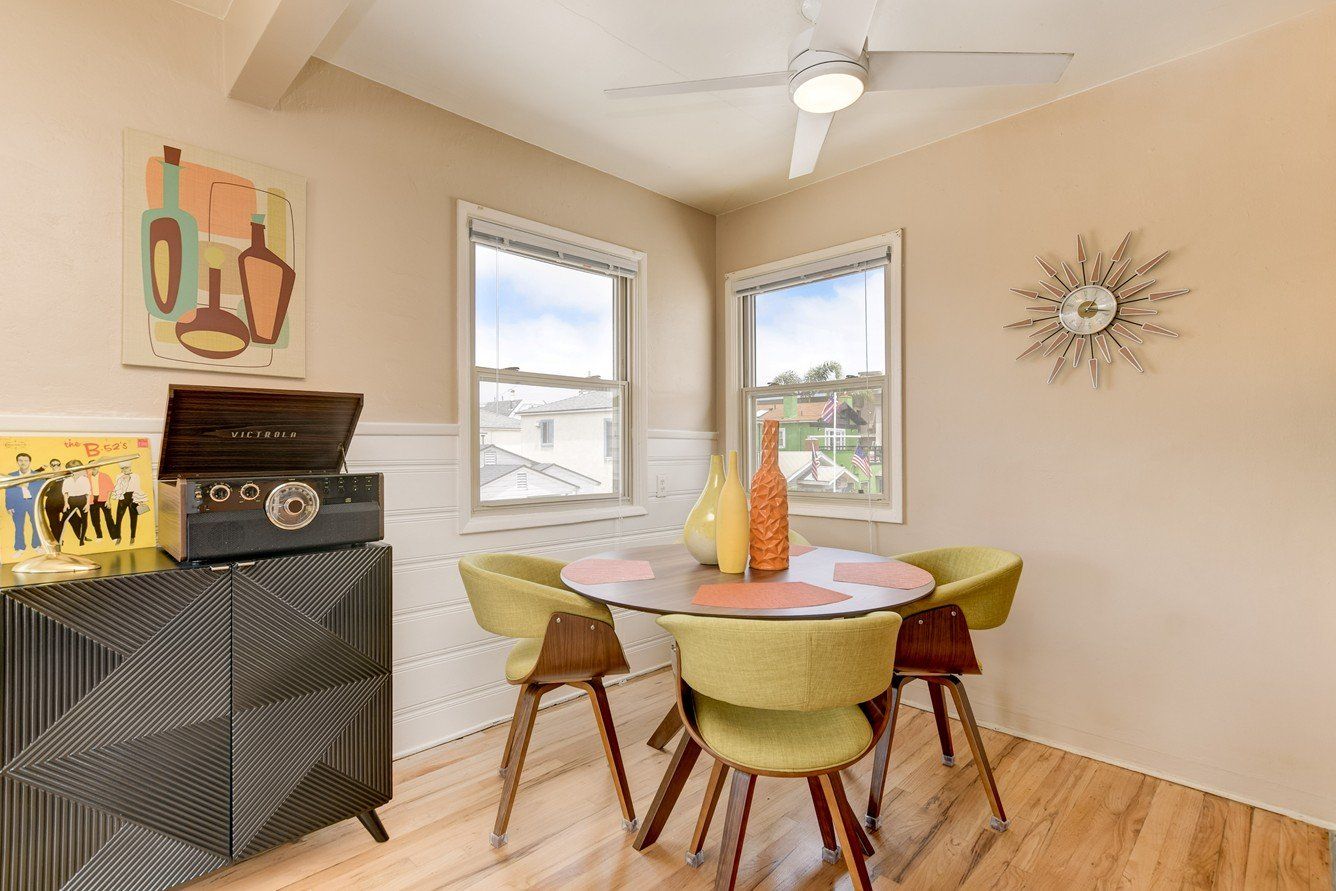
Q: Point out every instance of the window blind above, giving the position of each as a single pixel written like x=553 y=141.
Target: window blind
x=814 y=271
x=540 y=247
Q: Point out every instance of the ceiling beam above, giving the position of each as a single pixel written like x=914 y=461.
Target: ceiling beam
x=266 y=43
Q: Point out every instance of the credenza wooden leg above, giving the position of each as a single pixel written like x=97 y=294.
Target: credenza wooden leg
x=371 y=820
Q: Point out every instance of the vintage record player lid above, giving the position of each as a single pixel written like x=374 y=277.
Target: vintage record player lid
x=226 y=431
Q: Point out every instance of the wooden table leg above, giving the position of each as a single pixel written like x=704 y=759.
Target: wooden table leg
x=670 y=789
x=667 y=729
x=371 y=820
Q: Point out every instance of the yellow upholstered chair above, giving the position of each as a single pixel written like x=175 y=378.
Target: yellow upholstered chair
x=796 y=699
x=975 y=588
x=563 y=638
x=797 y=538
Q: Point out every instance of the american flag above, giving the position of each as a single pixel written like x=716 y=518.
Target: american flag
x=816 y=462
x=828 y=414
x=861 y=461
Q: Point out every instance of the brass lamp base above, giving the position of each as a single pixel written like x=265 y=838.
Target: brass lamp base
x=55 y=563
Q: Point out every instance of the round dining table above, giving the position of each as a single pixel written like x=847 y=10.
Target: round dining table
x=677 y=579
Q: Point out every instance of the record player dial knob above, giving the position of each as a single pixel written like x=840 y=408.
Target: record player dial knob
x=250 y=492
x=220 y=492
x=292 y=506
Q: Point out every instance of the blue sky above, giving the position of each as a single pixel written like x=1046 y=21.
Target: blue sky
x=841 y=318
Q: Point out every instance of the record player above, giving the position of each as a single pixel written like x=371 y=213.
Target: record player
x=246 y=472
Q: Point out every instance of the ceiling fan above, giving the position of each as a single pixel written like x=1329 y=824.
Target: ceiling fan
x=830 y=67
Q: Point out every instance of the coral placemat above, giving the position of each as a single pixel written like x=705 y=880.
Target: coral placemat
x=765 y=595
x=799 y=550
x=891 y=574
x=591 y=571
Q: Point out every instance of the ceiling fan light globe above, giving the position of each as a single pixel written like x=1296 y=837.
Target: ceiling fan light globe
x=828 y=87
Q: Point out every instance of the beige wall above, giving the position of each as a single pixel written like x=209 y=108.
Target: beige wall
x=383 y=171
x=1178 y=608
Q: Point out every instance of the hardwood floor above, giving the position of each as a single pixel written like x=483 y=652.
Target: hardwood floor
x=1075 y=823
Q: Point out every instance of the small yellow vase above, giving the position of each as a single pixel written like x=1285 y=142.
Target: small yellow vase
x=733 y=528
x=698 y=533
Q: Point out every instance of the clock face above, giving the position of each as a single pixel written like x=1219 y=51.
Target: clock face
x=1088 y=309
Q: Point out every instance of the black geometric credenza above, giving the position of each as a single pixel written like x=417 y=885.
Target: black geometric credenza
x=161 y=722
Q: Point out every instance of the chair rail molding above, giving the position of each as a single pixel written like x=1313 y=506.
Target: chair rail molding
x=445 y=666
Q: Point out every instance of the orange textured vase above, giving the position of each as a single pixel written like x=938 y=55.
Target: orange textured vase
x=769 y=506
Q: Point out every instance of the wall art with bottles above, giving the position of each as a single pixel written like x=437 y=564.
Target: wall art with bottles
x=214 y=275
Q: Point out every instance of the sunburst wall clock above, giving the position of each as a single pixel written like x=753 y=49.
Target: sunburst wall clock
x=1098 y=309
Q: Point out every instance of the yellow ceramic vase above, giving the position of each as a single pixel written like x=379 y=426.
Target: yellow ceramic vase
x=699 y=531
x=733 y=528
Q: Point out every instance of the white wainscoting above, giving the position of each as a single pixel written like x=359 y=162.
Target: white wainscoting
x=448 y=672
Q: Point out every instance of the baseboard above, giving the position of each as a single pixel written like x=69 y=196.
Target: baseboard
x=1252 y=791
x=565 y=696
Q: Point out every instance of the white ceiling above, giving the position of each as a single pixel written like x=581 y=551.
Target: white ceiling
x=536 y=69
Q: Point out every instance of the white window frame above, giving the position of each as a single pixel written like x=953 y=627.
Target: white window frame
x=551 y=439
x=834 y=438
x=475 y=516
x=890 y=507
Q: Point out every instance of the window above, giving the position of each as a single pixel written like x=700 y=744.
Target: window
x=549 y=329
x=814 y=344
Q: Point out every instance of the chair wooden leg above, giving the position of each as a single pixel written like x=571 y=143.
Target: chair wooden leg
x=845 y=830
x=670 y=789
x=607 y=731
x=667 y=729
x=510 y=737
x=715 y=785
x=971 y=726
x=526 y=714
x=830 y=846
x=943 y=723
x=735 y=830
x=881 y=761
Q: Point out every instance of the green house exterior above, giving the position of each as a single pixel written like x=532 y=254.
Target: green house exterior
x=796 y=432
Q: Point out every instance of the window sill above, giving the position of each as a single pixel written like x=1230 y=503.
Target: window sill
x=881 y=513
x=500 y=520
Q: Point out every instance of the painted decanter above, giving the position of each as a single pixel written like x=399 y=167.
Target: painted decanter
x=266 y=286
x=169 y=240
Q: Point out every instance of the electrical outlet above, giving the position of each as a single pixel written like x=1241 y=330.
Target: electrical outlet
x=661 y=485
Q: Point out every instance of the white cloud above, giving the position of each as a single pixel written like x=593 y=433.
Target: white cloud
x=810 y=324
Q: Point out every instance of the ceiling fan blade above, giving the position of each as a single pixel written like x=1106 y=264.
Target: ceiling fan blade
x=918 y=70
x=807 y=140
x=710 y=85
x=842 y=26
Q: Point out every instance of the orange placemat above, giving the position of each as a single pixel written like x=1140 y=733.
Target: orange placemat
x=891 y=574
x=592 y=571
x=765 y=595
x=799 y=550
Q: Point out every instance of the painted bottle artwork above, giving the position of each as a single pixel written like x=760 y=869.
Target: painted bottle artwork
x=733 y=526
x=266 y=286
x=170 y=243
x=211 y=331
x=214 y=276
x=769 y=506
x=699 y=532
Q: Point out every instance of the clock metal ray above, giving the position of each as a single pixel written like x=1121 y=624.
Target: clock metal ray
x=1090 y=308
